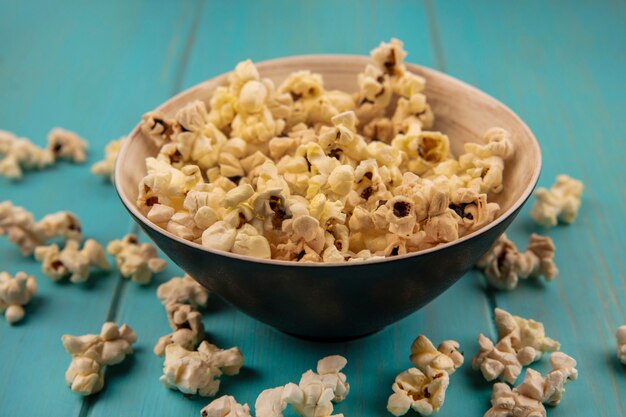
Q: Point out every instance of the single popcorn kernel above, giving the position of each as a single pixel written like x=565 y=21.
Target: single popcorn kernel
x=226 y=406
x=136 y=261
x=300 y=173
x=72 y=260
x=92 y=352
x=65 y=144
x=559 y=203
x=504 y=265
x=17 y=154
x=15 y=293
x=106 y=167
x=198 y=371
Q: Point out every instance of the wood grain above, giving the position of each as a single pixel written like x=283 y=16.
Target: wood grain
x=97 y=67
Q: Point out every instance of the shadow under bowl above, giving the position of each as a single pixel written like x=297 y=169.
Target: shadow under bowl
x=346 y=300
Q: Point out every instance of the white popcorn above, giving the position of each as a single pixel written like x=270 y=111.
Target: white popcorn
x=15 y=293
x=225 y=406
x=621 y=343
x=136 y=261
x=446 y=358
x=560 y=203
x=106 y=167
x=563 y=369
x=524 y=333
x=270 y=403
x=414 y=389
x=91 y=352
x=181 y=298
x=19 y=226
x=18 y=153
x=198 y=372
x=183 y=290
x=65 y=144
x=72 y=260
x=300 y=173
x=504 y=265
x=500 y=361
x=507 y=402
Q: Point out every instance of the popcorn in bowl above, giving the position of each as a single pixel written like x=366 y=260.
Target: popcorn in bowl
x=302 y=173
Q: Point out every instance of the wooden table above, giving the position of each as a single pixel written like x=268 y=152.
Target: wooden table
x=95 y=67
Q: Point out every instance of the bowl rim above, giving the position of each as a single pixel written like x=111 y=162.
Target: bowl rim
x=131 y=207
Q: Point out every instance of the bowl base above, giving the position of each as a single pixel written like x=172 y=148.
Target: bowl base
x=331 y=339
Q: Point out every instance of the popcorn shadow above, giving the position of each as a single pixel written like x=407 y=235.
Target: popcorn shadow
x=123 y=368
x=95 y=280
x=614 y=362
x=475 y=377
x=246 y=375
x=215 y=304
x=33 y=307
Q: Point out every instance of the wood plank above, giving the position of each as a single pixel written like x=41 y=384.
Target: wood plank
x=273 y=358
x=560 y=66
x=90 y=69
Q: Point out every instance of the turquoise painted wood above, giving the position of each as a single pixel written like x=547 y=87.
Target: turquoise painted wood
x=96 y=68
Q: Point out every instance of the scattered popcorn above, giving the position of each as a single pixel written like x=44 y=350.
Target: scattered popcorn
x=563 y=369
x=181 y=297
x=424 y=388
x=297 y=172
x=19 y=153
x=136 y=261
x=413 y=389
x=524 y=333
x=15 y=293
x=520 y=342
x=106 y=167
x=621 y=344
x=198 y=372
x=270 y=403
x=226 y=406
x=507 y=402
x=527 y=399
x=504 y=265
x=67 y=145
x=92 y=352
x=559 y=203
x=500 y=361
x=20 y=227
x=72 y=260
x=446 y=358
x=313 y=396
x=315 y=393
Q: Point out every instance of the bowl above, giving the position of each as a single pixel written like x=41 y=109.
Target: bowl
x=347 y=300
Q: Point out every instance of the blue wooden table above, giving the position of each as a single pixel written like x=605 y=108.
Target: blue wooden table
x=95 y=67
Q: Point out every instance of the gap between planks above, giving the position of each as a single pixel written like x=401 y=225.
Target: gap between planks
x=120 y=286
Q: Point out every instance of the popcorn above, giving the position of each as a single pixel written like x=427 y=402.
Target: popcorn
x=136 y=261
x=527 y=398
x=555 y=380
x=92 y=352
x=67 y=145
x=315 y=393
x=71 y=260
x=413 y=389
x=198 y=372
x=226 y=406
x=301 y=173
x=559 y=203
x=270 y=403
x=15 y=293
x=20 y=227
x=524 y=333
x=446 y=358
x=507 y=402
x=504 y=265
x=500 y=361
x=106 y=167
x=181 y=298
x=520 y=342
x=18 y=153
x=621 y=344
